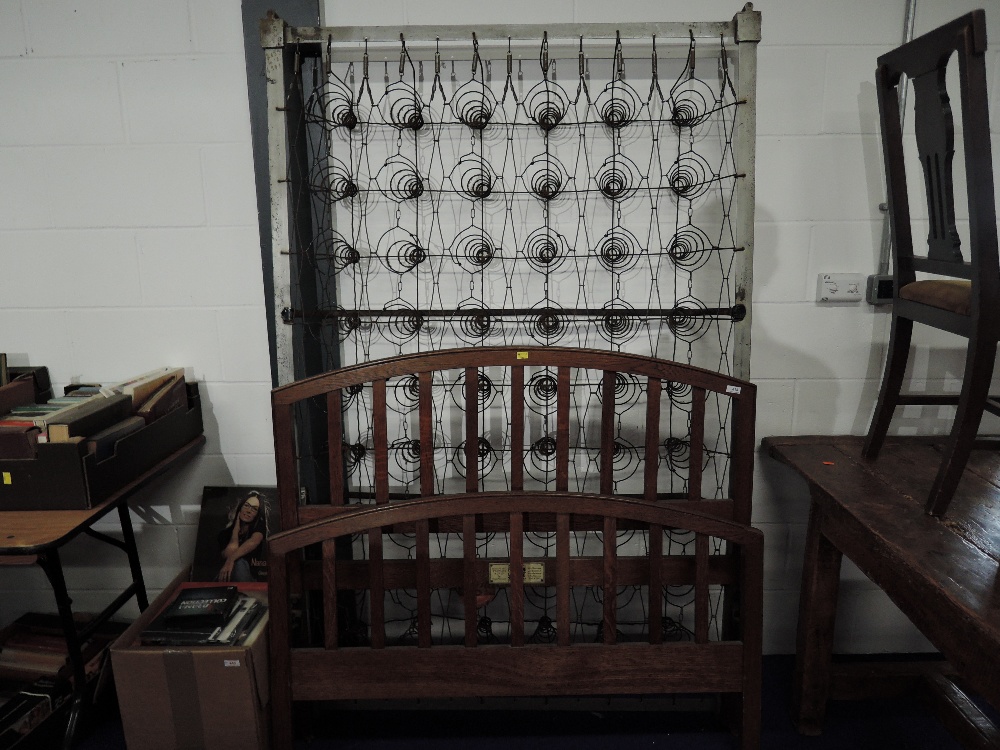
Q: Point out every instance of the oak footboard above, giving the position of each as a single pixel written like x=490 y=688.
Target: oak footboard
x=514 y=521
x=666 y=548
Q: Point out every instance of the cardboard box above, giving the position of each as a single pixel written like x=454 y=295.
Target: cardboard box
x=199 y=697
x=62 y=476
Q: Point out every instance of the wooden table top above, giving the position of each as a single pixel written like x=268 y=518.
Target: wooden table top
x=900 y=478
x=30 y=532
x=942 y=572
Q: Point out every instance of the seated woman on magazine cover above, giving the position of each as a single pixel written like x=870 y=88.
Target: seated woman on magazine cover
x=242 y=541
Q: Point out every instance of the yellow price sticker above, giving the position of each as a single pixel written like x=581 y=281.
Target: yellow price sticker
x=6 y=477
x=522 y=355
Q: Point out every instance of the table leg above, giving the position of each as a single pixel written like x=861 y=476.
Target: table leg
x=817 y=616
x=128 y=536
x=52 y=565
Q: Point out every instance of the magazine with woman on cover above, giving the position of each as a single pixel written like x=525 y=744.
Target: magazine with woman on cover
x=235 y=523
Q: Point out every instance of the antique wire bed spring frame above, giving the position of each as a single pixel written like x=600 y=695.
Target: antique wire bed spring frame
x=573 y=185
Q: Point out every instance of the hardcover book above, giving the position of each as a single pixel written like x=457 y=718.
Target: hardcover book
x=141 y=387
x=246 y=613
x=169 y=396
x=201 y=608
x=87 y=415
x=38 y=377
x=16 y=393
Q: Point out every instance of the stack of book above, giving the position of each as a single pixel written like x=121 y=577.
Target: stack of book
x=205 y=616
x=34 y=646
x=95 y=415
x=35 y=675
x=24 y=707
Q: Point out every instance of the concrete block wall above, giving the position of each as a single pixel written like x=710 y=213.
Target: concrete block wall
x=128 y=240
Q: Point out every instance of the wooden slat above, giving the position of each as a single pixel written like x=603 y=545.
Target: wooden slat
x=701 y=608
x=652 y=463
x=426 y=415
x=583 y=571
x=697 y=443
x=423 y=585
x=608 y=428
x=379 y=428
x=470 y=580
x=279 y=639
x=504 y=356
x=516 y=579
x=610 y=581
x=655 y=603
x=578 y=504
x=330 y=593
x=376 y=583
x=284 y=459
x=743 y=451
x=456 y=671
x=562 y=429
x=562 y=579
x=335 y=438
x=471 y=429
x=539 y=522
x=962 y=717
x=517 y=427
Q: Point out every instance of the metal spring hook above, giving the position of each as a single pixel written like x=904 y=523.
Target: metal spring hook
x=364 y=61
x=402 y=56
x=437 y=56
x=691 y=55
x=581 y=58
x=475 y=53
x=329 y=53
x=543 y=56
x=619 y=57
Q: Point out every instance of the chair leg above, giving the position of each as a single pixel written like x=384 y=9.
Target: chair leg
x=979 y=364
x=892 y=382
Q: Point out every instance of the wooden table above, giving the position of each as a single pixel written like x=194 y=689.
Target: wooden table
x=941 y=572
x=35 y=537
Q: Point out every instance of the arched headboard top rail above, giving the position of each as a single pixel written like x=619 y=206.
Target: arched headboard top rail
x=512 y=356
x=369 y=517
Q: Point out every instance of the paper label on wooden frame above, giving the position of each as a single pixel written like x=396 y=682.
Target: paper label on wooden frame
x=534 y=573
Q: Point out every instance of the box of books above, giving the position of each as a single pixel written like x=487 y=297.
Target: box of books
x=192 y=670
x=75 y=450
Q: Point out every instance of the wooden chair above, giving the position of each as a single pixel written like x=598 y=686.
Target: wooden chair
x=963 y=295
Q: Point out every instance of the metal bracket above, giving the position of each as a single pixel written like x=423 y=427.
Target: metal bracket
x=272 y=32
x=747 y=23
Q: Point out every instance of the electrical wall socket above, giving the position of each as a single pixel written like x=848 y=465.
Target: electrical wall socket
x=840 y=287
x=879 y=290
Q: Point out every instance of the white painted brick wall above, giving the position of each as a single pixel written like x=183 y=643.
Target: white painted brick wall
x=128 y=240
